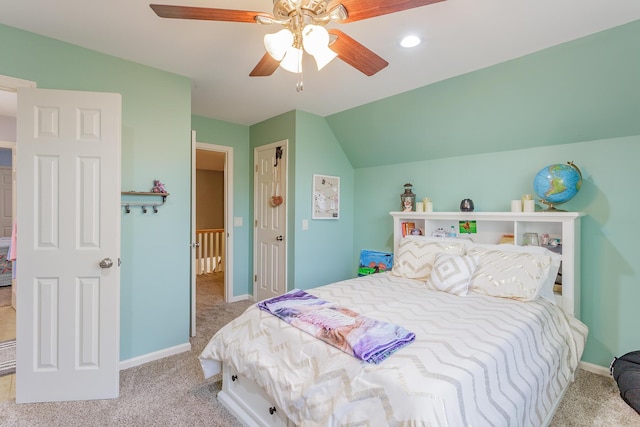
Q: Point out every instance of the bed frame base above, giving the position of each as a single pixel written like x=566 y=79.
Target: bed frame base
x=248 y=402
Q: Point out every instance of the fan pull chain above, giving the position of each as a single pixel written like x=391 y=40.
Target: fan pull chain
x=300 y=84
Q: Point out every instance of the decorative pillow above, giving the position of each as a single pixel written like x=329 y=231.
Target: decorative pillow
x=517 y=272
x=452 y=273
x=416 y=254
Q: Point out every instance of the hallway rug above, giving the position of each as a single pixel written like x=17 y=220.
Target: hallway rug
x=7 y=357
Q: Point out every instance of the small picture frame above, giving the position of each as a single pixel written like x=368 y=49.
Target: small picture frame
x=467 y=227
x=326 y=197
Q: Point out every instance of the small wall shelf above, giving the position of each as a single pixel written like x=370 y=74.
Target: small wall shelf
x=144 y=206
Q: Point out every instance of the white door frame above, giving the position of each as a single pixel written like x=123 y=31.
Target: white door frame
x=228 y=221
x=283 y=143
x=11 y=84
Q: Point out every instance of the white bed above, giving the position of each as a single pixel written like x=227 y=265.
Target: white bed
x=477 y=360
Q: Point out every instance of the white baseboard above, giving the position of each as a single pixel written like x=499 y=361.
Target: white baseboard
x=240 y=298
x=156 y=355
x=595 y=369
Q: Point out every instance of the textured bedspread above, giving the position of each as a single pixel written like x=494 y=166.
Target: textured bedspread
x=476 y=360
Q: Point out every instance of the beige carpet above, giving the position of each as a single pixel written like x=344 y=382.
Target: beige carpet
x=172 y=391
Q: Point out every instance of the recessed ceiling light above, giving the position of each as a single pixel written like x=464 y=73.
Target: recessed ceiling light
x=410 y=41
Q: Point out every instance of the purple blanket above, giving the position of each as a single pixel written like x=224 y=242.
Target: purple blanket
x=360 y=336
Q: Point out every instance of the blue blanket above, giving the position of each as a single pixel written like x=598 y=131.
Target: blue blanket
x=360 y=336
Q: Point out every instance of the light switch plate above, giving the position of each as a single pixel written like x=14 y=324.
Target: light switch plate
x=237 y=221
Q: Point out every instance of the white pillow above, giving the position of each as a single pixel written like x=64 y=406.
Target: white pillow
x=452 y=273
x=416 y=254
x=518 y=272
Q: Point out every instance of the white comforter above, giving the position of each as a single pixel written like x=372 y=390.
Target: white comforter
x=476 y=361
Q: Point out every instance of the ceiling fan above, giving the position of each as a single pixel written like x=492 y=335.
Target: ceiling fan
x=304 y=24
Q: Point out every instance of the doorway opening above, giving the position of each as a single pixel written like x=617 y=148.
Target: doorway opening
x=212 y=214
x=8 y=138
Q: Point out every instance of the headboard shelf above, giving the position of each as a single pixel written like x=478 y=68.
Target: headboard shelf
x=492 y=226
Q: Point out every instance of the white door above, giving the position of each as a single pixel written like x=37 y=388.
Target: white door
x=270 y=253
x=68 y=316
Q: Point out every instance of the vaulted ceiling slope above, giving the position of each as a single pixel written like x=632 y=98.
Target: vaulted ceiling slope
x=583 y=90
x=459 y=36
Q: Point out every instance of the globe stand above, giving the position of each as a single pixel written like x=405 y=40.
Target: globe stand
x=551 y=207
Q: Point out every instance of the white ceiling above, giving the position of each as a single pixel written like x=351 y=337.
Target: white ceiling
x=459 y=36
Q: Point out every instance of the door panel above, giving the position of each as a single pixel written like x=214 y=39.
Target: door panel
x=68 y=317
x=271 y=221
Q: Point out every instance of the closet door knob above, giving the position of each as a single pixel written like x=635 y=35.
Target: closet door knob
x=279 y=238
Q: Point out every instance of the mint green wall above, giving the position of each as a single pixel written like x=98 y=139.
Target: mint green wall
x=583 y=90
x=324 y=252
x=156 y=136
x=237 y=136
x=312 y=149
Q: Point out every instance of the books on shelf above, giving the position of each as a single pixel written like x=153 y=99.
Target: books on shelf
x=407 y=228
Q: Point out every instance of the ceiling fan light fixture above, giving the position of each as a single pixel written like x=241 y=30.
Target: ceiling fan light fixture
x=315 y=40
x=292 y=60
x=323 y=57
x=278 y=43
x=338 y=13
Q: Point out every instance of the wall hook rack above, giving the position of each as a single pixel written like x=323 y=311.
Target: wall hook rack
x=143 y=206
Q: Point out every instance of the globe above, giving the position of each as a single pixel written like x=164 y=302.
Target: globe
x=556 y=184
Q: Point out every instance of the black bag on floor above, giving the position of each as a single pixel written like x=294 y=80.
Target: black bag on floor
x=626 y=371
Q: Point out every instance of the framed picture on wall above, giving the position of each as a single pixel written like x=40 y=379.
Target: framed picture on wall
x=326 y=197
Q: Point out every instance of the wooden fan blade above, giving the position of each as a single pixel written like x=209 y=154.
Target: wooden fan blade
x=364 y=9
x=206 y=13
x=355 y=54
x=265 y=67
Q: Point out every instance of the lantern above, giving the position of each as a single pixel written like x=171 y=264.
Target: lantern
x=408 y=199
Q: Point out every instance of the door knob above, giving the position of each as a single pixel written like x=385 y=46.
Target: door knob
x=106 y=263
x=279 y=238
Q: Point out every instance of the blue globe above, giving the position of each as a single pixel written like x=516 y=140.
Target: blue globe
x=556 y=184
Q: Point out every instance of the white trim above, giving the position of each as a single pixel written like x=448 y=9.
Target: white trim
x=240 y=298
x=156 y=355
x=228 y=213
x=11 y=84
x=594 y=369
x=192 y=277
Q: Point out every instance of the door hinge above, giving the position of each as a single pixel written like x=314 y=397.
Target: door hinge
x=255 y=277
x=256 y=168
x=255 y=223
